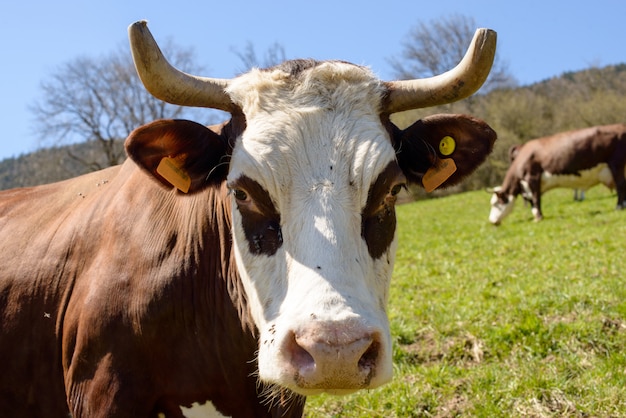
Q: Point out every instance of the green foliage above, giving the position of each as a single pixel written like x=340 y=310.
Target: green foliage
x=525 y=319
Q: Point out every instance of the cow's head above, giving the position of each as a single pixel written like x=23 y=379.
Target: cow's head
x=315 y=167
x=502 y=205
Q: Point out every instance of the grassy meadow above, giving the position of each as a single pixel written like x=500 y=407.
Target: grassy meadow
x=522 y=320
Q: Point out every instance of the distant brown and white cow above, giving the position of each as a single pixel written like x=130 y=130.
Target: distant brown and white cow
x=260 y=278
x=576 y=159
x=580 y=183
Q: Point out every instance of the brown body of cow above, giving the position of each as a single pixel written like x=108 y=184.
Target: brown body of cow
x=576 y=159
x=120 y=296
x=109 y=271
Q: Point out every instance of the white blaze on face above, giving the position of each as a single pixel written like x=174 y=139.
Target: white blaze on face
x=305 y=164
x=501 y=207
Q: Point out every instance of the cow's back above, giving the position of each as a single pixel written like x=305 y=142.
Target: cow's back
x=574 y=151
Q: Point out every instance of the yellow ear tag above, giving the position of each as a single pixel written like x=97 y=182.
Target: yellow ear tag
x=171 y=171
x=438 y=173
x=447 y=145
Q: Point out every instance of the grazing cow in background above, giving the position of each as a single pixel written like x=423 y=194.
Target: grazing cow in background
x=576 y=159
x=245 y=265
x=601 y=176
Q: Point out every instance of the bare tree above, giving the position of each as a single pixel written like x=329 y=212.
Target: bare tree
x=101 y=100
x=274 y=55
x=436 y=47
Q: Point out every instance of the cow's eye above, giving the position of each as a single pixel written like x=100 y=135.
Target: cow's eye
x=395 y=190
x=240 y=195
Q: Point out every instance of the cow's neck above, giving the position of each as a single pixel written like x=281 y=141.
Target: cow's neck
x=510 y=185
x=226 y=290
x=208 y=248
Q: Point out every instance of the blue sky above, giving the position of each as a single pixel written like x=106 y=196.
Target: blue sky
x=538 y=39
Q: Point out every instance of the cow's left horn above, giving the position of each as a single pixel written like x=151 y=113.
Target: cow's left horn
x=456 y=84
x=169 y=84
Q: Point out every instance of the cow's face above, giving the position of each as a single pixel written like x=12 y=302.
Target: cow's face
x=314 y=181
x=501 y=206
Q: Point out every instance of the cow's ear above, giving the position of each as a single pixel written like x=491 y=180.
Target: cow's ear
x=441 y=150
x=179 y=153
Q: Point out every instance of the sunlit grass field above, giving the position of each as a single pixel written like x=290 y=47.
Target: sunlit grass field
x=526 y=319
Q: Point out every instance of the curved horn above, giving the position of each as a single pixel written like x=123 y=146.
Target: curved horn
x=169 y=84
x=453 y=85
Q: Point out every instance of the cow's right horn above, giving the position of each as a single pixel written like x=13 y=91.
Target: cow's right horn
x=169 y=84
x=456 y=84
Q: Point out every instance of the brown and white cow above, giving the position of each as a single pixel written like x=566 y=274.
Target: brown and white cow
x=578 y=159
x=582 y=182
x=260 y=278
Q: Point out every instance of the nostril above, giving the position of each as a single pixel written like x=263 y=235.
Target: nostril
x=300 y=357
x=369 y=359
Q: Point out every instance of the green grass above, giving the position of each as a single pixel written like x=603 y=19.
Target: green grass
x=526 y=319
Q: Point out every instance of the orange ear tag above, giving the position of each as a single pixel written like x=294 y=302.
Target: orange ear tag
x=438 y=173
x=171 y=171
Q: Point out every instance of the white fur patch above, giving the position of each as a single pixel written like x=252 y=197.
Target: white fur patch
x=206 y=410
x=316 y=144
x=584 y=181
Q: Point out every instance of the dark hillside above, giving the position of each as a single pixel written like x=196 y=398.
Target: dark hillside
x=49 y=165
